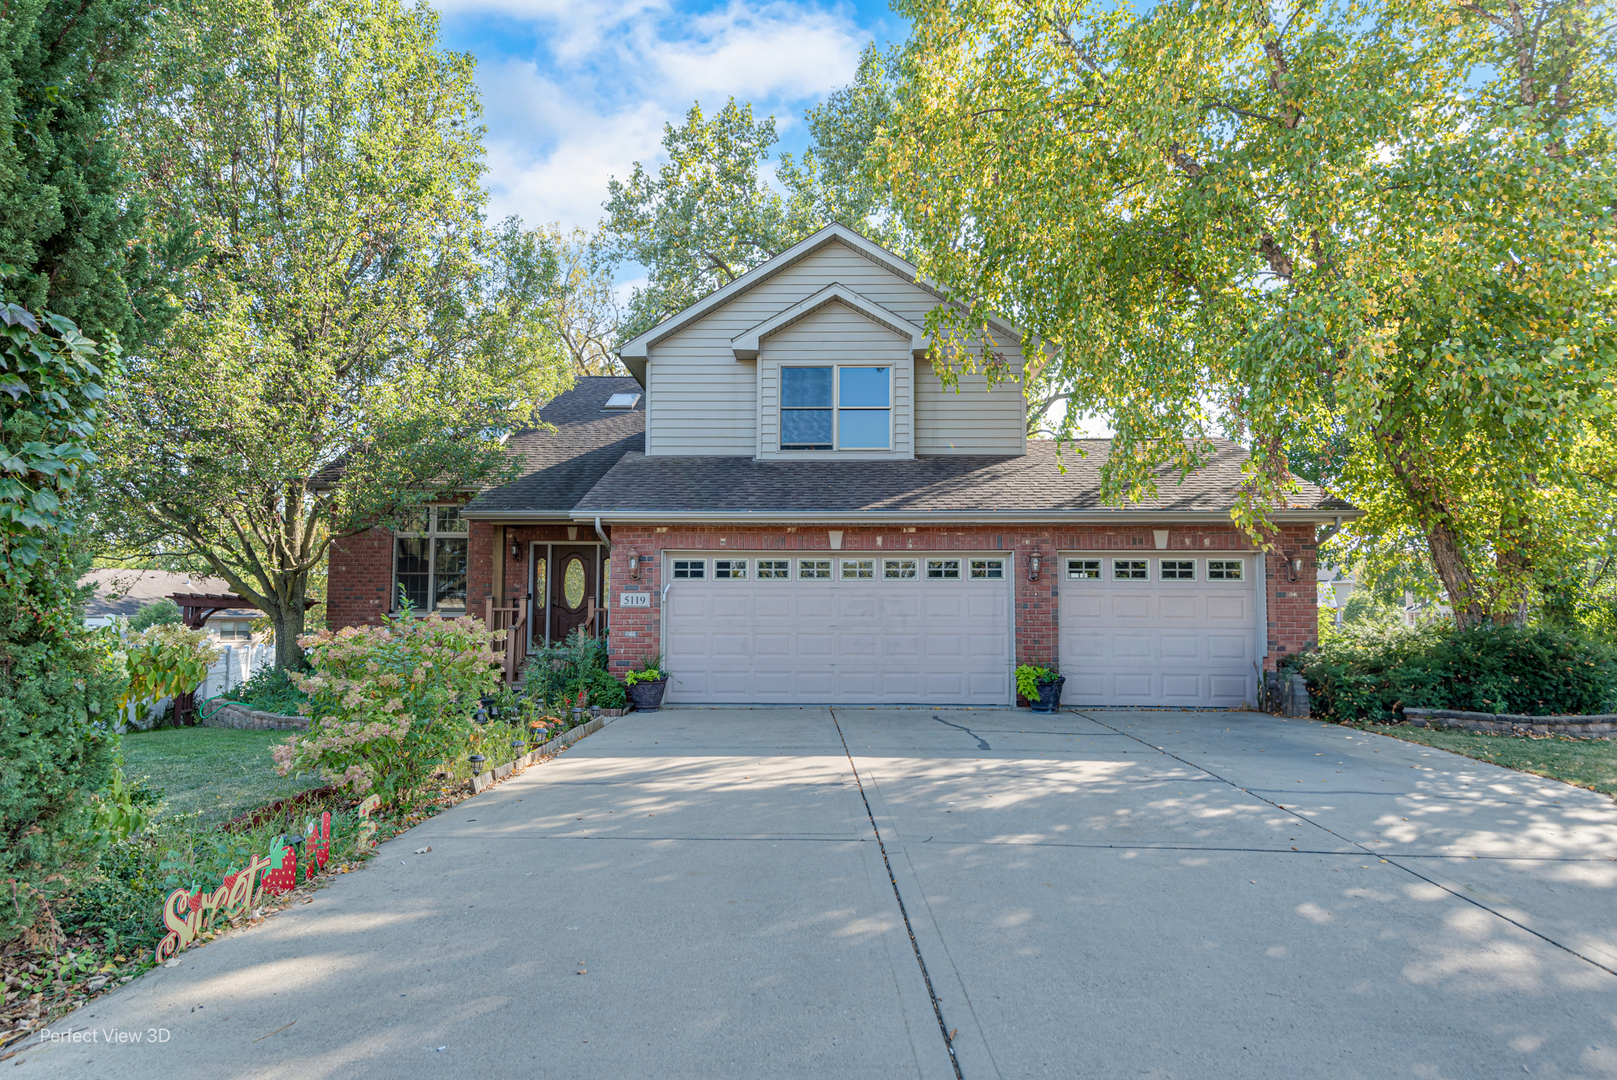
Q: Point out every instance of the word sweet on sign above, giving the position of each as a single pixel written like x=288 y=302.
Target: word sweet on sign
x=187 y=914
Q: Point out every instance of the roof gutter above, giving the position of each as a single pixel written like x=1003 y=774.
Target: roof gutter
x=536 y=516
x=945 y=517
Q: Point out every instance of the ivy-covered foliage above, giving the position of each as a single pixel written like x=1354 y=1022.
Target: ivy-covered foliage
x=57 y=750
x=157 y=613
x=1367 y=672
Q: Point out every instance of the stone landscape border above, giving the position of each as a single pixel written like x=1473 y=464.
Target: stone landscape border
x=233 y=714
x=482 y=780
x=1578 y=727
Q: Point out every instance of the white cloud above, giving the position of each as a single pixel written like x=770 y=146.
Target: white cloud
x=592 y=97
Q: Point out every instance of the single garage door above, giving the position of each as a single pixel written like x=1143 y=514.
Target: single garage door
x=1159 y=629
x=852 y=628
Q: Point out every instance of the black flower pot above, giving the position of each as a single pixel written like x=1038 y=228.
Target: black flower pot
x=648 y=696
x=1049 y=696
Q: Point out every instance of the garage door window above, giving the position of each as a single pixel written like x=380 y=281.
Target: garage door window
x=988 y=569
x=730 y=569
x=858 y=569
x=1224 y=569
x=1178 y=570
x=946 y=569
x=1083 y=569
x=813 y=569
x=899 y=569
x=1129 y=570
x=689 y=569
x=774 y=569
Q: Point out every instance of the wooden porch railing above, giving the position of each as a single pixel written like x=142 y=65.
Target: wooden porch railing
x=514 y=649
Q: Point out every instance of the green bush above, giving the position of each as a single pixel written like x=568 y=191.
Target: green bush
x=271 y=690
x=557 y=674
x=606 y=691
x=157 y=613
x=57 y=750
x=1367 y=674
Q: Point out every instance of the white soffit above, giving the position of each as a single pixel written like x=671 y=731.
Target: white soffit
x=747 y=344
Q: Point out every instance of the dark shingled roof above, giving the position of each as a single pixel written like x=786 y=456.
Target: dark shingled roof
x=965 y=484
x=559 y=467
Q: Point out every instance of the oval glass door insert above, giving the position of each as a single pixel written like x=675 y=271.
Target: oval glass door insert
x=572 y=583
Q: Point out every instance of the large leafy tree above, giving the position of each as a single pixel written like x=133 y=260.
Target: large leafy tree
x=355 y=339
x=712 y=211
x=70 y=222
x=1387 y=225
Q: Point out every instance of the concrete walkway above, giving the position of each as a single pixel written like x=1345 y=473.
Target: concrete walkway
x=826 y=893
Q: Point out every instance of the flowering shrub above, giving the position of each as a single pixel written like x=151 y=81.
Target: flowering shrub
x=389 y=705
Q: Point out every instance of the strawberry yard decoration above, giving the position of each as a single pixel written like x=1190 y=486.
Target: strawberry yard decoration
x=188 y=913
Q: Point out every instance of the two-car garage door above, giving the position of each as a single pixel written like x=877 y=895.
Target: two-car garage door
x=1165 y=630
x=830 y=627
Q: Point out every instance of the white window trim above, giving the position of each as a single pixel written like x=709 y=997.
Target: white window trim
x=1162 y=563
x=431 y=535
x=836 y=409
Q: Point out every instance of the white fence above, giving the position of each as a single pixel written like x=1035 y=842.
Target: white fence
x=236 y=664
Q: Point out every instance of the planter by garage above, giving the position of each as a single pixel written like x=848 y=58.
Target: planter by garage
x=1049 y=696
x=648 y=696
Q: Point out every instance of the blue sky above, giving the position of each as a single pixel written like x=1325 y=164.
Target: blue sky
x=575 y=93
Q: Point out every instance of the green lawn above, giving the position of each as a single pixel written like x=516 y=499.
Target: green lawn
x=1590 y=763
x=220 y=771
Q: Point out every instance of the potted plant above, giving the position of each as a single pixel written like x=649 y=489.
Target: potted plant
x=1041 y=687
x=646 y=684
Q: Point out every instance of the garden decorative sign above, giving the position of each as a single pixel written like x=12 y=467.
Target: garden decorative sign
x=187 y=914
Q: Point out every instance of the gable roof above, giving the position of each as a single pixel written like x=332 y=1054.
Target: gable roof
x=1031 y=487
x=635 y=352
x=559 y=467
x=746 y=345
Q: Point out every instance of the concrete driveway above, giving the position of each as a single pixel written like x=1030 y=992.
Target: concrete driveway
x=829 y=893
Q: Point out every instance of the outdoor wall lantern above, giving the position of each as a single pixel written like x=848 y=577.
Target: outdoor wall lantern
x=634 y=566
x=1033 y=567
x=516 y=550
x=1296 y=567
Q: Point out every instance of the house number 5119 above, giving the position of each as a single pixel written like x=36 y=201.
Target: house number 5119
x=634 y=599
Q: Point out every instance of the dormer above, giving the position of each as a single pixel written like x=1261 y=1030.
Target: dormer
x=820 y=353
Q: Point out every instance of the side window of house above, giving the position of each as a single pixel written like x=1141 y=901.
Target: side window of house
x=841 y=408
x=429 y=561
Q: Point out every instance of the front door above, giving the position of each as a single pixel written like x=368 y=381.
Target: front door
x=572 y=586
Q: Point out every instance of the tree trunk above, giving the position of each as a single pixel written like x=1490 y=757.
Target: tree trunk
x=1433 y=516
x=287 y=617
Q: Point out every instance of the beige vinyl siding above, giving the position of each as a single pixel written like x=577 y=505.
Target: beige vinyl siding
x=701 y=400
x=835 y=334
x=974 y=421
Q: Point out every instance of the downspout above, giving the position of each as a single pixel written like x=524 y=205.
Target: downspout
x=1330 y=531
x=608 y=543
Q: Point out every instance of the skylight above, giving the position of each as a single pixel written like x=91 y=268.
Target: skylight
x=621 y=401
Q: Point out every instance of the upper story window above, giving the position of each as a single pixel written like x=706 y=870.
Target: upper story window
x=429 y=561
x=836 y=408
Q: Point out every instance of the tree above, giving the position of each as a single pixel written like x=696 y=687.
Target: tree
x=56 y=692
x=355 y=340
x=1385 y=224
x=69 y=228
x=711 y=213
x=587 y=309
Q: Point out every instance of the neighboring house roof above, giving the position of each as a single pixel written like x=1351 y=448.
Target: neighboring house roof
x=559 y=467
x=635 y=352
x=124 y=592
x=1033 y=487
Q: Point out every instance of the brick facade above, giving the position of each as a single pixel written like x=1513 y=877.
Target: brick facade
x=361 y=567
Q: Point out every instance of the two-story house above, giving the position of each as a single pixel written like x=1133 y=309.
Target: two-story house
x=787 y=503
